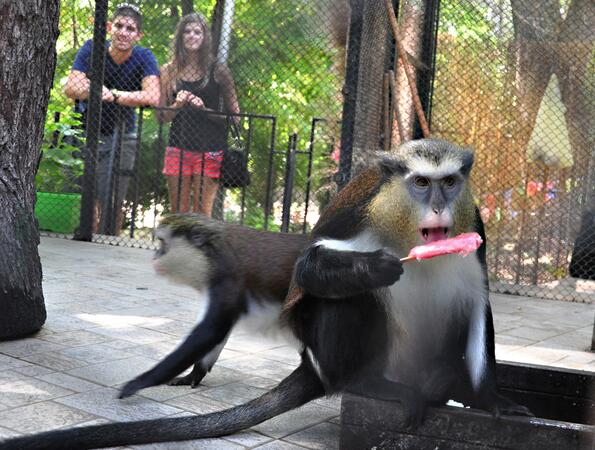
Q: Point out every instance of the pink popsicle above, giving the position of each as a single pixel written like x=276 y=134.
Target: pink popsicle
x=463 y=244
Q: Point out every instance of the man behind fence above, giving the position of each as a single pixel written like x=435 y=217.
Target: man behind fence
x=131 y=79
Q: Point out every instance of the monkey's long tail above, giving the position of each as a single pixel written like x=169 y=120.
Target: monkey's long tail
x=301 y=386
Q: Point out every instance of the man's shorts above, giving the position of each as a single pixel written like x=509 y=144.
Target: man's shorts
x=192 y=163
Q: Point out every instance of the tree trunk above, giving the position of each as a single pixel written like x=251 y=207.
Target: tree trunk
x=368 y=116
x=411 y=19
x=28 y=34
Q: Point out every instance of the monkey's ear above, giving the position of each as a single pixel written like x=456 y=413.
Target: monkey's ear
x=467 y=162
x=392 y=165
x=197 y=237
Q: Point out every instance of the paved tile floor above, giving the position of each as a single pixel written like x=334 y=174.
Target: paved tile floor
x=110 y=318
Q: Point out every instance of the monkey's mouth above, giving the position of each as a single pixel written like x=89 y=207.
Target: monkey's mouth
x=434 y=234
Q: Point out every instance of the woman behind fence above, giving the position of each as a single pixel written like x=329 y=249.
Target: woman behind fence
x=193 y=85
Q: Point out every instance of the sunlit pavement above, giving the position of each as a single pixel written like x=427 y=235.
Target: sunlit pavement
x=110 y=318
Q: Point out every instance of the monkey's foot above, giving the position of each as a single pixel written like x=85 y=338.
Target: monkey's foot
x=414 y=404
x=193 y=379
x=507 y=407
x=515 y=410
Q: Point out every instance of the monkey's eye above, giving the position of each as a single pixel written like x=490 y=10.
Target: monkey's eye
x=449 y=182
x=421 y=182
x=162 y=245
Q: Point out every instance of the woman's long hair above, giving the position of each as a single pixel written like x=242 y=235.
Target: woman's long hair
x=179 y=54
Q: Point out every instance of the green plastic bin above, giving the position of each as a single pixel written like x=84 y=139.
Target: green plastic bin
x=59 y=213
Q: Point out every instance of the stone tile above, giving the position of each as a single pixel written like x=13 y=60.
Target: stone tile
x=245 y=343
x=284 y=354
x=200 y=444
x=248 y=438
x=119 y=344
x=62 y=322
x=8 y=362
x=324 y=436
x=198 y=404
x=42 y=417
x=569 y=363
x=569 y=341
x=257 y=366
x=33 y=371
x=535 y=355
x=279 y=445
x=95 y=353
x=104 y=403
x=69 y=382
x=296 y=420
x=221 y=375
x=333 y=402
x=114 y=372
x=233 y=393
x=134 y=334
x=6 y=433
x=335 y=420
x=55 y=361
x=155 y=350
x=532 y=333
x=30 y=346
x=75 y=338
x=260 y=382
x=23 y=390
x=164 y=392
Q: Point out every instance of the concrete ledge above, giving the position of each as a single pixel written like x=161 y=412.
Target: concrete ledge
x=565 y=398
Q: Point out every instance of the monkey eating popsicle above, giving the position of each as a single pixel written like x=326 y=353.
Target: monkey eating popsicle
x=462 y=244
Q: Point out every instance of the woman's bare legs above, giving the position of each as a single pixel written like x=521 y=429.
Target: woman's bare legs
x=204 y=190
x=184 y=200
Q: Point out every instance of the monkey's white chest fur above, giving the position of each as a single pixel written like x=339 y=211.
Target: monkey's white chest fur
x=430 y=299
x=434 y=300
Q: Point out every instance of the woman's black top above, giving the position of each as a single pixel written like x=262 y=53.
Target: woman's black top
x=194 y=129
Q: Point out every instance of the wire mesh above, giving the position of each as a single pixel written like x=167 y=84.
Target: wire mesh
x=188 y=89
x=515 y=81
x=307 y=92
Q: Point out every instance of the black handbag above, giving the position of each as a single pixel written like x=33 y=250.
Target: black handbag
x=234 y=170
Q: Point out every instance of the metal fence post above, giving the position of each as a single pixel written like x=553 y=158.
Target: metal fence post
x=350 y=92
x=87 y=217
x=425 y=78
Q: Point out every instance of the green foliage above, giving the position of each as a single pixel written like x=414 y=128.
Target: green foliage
x=284 y=64
x=60 y=166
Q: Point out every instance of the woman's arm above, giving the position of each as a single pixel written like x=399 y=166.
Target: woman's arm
x=167 y=92
x=230 y=99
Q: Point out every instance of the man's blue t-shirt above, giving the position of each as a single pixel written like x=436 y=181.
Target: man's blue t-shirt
x=127 y=76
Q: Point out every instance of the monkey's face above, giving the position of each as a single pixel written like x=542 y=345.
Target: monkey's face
x=426 y=197
x=179 y=260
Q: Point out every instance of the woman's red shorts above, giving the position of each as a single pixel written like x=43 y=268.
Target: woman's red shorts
x=192 y=163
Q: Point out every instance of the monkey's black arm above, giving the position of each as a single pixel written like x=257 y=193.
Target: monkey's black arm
x=332 y=273
x=211 y=331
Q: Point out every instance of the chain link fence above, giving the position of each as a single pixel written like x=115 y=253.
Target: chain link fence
x=300 y=94
x=206 y=106
x=516 y=81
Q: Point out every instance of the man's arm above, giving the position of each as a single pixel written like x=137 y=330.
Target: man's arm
x=77 y=87
x=148 y=96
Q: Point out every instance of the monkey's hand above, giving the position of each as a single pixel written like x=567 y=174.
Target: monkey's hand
x=132 y=387
x=331 y=273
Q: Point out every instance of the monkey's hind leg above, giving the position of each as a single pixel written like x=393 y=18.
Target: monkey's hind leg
x=200 y=369
x=381 y=388
x=225 y=308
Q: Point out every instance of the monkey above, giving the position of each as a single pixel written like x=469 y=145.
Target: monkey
x=419 y=335
x=231 y=266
